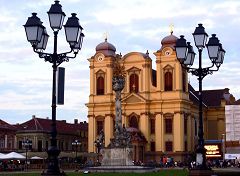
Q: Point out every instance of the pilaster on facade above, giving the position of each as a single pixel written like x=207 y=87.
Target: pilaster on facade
x=145 y=126
x=92 y=77
x=6 y=141
x=15 y=142
x=159 y=73
x=146 y=75
x=91 y=133
x=109 y=75
x=190 y=132
x=178 y=132
x=108 y=128
x=159 y=133
x=178 y=77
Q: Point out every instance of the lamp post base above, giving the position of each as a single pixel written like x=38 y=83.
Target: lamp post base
x=53 y=165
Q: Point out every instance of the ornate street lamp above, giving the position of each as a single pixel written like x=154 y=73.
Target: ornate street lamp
x=26 y=143
x=185 y=55
x=76 y=143
x=38 y=37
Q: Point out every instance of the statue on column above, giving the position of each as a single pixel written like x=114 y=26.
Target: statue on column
x=118 y=81
x=119 y=151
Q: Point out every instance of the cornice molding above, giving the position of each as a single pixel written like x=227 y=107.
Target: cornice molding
x=88 y=116
x=111 y=115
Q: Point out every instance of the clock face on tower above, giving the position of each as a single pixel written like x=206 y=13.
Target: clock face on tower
x=167 y=51
x=99 y=57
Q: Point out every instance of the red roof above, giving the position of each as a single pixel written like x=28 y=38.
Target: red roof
x=39 y=124
x=211 y=98
x=5 y=125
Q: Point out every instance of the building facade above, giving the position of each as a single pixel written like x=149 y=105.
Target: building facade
x=38 y=132
x=7 y=137
x=232 y=137
x=159 y=104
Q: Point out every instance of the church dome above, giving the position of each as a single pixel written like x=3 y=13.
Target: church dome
x=106 y=48
x=169 y=41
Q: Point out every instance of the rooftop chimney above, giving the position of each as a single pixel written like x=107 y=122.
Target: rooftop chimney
x=75 y=121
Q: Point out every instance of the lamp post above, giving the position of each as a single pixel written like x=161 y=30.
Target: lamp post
x=76 y=143
x=185 y=55
x=223 y=145
x=37 y=35
x=26 y=143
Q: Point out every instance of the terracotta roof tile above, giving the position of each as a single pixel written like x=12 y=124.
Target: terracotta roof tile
x=5 y=125
x=39 y=124
x=214 y=97
x=211 y=98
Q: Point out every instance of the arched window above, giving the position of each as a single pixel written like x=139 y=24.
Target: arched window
x=169 y=146
x=100 y=124
x=100 y=85
x=168 y=85
x=133 y=83
x=133 y=122
x=168 y=125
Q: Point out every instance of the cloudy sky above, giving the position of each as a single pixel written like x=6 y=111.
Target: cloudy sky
x=131 y=25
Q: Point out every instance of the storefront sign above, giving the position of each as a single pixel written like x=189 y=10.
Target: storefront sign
x=213 y=150
x=232 y=156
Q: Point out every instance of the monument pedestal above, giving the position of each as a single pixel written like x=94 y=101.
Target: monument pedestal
x=119 y=160
x=117 y=156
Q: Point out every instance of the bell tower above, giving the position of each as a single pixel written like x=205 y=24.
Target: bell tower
x=100 y=108
x=171 y=76
x=172 y=93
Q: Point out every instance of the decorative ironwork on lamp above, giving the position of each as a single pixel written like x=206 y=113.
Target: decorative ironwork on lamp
x=37 y=35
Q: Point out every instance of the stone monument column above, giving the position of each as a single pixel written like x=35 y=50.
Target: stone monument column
x=119 y=151
x=118 y=82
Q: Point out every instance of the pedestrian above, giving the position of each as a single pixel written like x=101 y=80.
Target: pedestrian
x=236 y=162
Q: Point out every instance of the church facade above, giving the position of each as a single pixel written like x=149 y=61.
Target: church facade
x=159 y=107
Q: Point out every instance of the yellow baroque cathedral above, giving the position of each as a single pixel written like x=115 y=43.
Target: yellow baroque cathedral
x=159 y=107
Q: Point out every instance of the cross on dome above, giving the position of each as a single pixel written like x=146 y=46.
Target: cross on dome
x=171 y=27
